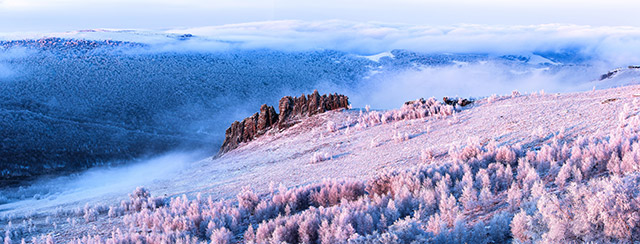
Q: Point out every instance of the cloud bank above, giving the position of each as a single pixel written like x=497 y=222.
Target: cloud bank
x=614 y=44
x=600 y=48
x=388 y=91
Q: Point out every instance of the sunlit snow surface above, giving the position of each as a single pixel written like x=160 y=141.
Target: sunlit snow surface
x=355 y=149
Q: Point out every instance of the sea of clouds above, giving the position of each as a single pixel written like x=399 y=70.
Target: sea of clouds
x=600 y=48
x=617 y=45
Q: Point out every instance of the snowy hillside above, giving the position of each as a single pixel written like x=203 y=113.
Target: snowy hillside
x=617 y=77
x=107 y=102
x=553 y=167
x=115 y=135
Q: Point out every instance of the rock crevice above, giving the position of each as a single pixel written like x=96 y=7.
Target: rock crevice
x=292 y=110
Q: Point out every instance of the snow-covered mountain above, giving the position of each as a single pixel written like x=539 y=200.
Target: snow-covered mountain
x=618 y=77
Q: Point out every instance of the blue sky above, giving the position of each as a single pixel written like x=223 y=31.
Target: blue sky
x=68 y=15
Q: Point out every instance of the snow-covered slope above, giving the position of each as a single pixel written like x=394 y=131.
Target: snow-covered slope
x=357 y=146
x=119 y=108
x=618 y=77
x=358 y=152
x=110 y=97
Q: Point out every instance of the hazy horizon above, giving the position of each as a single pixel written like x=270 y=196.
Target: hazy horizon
x=70 y=15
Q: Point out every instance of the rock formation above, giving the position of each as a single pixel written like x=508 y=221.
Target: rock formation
x=453 y=101
x=292 y=110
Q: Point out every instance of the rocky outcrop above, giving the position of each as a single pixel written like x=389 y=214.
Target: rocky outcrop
x=292 y=110
x=612 y=73
x=453 y=101
x=267 y=117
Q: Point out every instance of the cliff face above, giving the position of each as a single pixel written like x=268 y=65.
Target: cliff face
x=292 y=110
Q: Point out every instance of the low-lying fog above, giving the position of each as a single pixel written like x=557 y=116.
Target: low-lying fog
x=97 y=183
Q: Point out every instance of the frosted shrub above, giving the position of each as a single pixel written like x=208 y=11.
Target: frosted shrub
x=384 y=118
x=319 y=157
x=449 y=210
x=624 y=114
x=601 y=210
x=493 y=98
x=520 y=227
x=411 y=110
x=331 y=126
x=469 y=197
x=506 y=155
x=539 y=133
x=247 y=199
x=90 y=214
x=141 y=198
x=249 y=235
x=373 y=143
x=7 y=237
x=515 y=93
x=308 y=228
x=222 y=236
x=473 y=149
x=426 y=155
x=515 y=196
x=563 y=175
x=115 y=211
x=264 y=210
x=409 y=230
x=399 y=137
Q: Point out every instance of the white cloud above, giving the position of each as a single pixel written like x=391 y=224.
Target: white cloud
x=475 y=80
x=616 y=45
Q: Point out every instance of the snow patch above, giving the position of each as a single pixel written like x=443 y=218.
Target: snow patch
x=537 y=59
x=617 y=78
x=377 y=57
